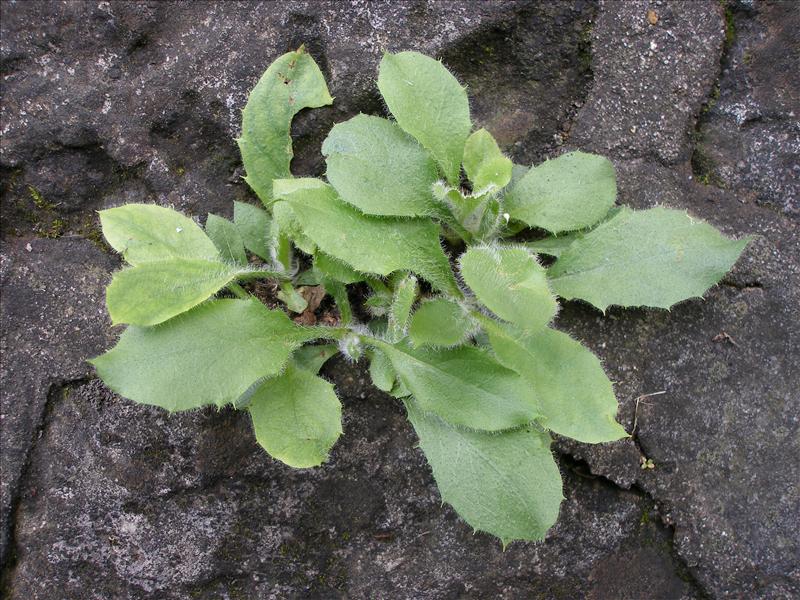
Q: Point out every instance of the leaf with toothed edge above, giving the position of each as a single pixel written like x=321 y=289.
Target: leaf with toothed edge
x=570 y=192
x=575 y=397
x=655 y=257
x=152 y=292
x=227 y=239
x=367 y=243
x=465 y=386
x=291 y=83
x=254 y=227
x=506 y=484
x=209 y=355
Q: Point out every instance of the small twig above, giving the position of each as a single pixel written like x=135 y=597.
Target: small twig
x=636 y=410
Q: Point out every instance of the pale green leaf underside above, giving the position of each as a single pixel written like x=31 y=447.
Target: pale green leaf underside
x=297 y=417
x=653 y=257
x=291 y=83
x=380 y=169
x=152 y=292
x=146 y=232
x=227 y=239
x=510 y=283
x=575 y=397
x=430 y=104
x=570 y=192
x=485 y=164
x=367 y=243
x=465 y=386
x=439 y=322
x=209 y=355
x=254 y=226
x=505 y=484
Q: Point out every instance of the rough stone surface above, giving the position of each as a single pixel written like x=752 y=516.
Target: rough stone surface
x=106 y=102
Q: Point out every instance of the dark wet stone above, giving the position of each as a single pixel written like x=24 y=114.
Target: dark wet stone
x=116 y=102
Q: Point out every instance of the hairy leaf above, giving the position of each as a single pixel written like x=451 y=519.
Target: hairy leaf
x=405 y=294
x=484 y=163
x=506 y=484
x=153 y=292
x=573 y=191
x=311 y=358
x=254 y=226
x=653 y=257
x=291 y=83
x=284 y=223
x=430 y=104
x=439 y=322
x=553 y=246
x=335 y=269
x=511 y=284
x=381 y=371
x=297 y=417
x=367 y=243
x=465 y=386
x=380 y=169
x=146 y=232
x=575 y=397
x=210 y=355
x=227 y=239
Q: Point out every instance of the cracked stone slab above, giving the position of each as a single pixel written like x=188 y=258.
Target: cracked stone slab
x=124 y=501
x=52 y=320
x=140 y=505
x=649 y=79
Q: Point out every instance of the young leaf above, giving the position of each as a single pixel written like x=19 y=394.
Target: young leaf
x=575 y=397
x=573 y=191
x=153 y=292
x=653 y=257
x=311 y=358
x=284 y=223
x=297 y=417
x=430 y=104
x=506 y=484
x=146 y=232
x=439 y=322
x=291 y=83
x=210 y=355
x=367 y=243
x=338 y=291
x=465 y=386
x=227 y=239
x=254 y=226
x=405 y=294
x=381 y=371
x=293 y=300
x=510 y=283
x=484 y=163
x=380 y=169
